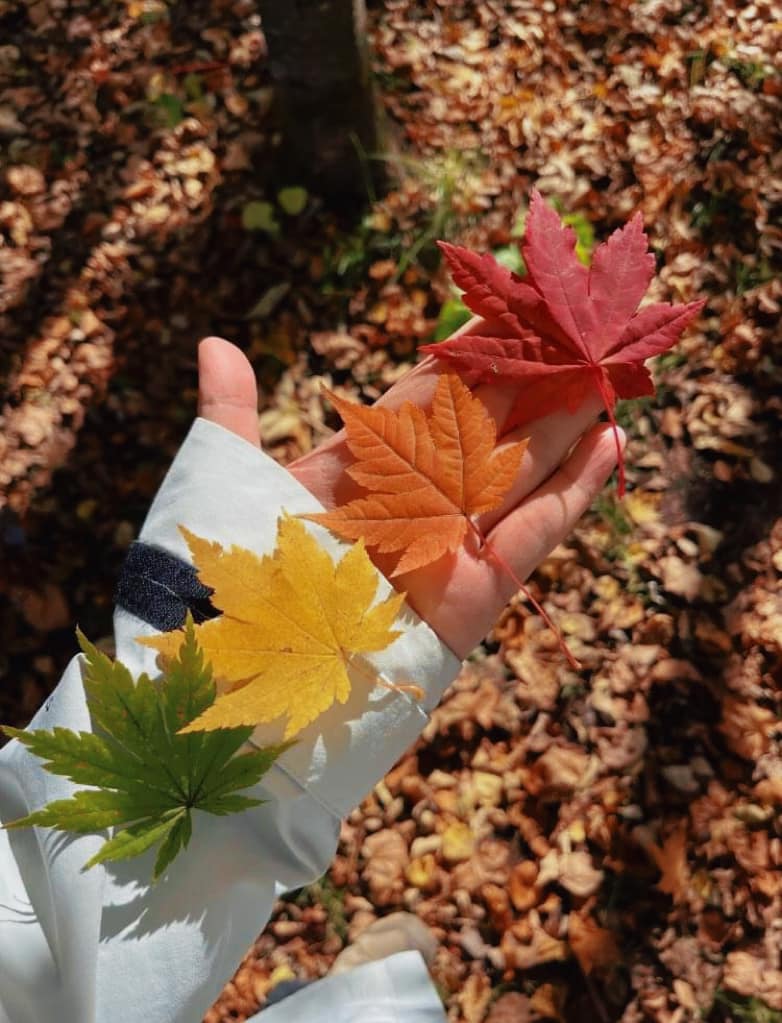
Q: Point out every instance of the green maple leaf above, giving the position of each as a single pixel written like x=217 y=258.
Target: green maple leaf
x=146 y=778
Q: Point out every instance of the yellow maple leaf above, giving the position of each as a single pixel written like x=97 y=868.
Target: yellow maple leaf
x=290 y=625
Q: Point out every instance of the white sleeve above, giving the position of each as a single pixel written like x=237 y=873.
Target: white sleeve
x=89 y=947
x=391 y=990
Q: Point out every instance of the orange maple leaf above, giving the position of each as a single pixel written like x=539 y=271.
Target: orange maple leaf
x=594 y=947
x=276 y=653
x=428 y=474
x=671 y=860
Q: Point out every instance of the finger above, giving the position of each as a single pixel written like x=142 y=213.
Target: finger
x=322 y=471
x=418 y=386
x=440 y=592
x=550 y=440
x=528 y=534
x=227 y=392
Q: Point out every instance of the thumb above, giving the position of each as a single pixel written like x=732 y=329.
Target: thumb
x=227 y=392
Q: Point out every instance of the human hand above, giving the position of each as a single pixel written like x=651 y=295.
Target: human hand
x=567 y=462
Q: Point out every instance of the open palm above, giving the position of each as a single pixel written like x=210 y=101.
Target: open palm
x=567 y=462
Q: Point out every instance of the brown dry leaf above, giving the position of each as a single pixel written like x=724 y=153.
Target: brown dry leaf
x=487 y=865
x=769 y=790
x=751 y=976
x=474 y=997
x=512 y=1007
x=523 y=951
x=679 y=577
x=548 y=1002
x=593 y=946
x=45 y=609
x=523 y=888
x=498 y=904
x=747 y=727
x=573 y=870
x=671 y=860
x=481 y=700
x=643 y=507
x=337 y=347
x=481 y=789
x=538 y=679
x=669 y=669
x=685 y=995
x=752 y=849
x=386 y=858
x=561 y=768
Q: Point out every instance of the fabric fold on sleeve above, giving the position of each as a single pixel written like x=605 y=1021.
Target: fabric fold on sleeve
x=397 y=989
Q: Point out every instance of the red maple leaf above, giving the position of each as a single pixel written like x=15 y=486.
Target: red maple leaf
x=563 y=330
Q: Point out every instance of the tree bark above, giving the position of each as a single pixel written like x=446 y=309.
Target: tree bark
x=319 y=65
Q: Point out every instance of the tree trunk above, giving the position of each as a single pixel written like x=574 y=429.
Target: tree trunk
x=319 y=65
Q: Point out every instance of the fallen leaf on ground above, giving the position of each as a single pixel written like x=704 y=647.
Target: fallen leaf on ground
x=593 y=946
x=574 y=871
x=512 y=1007
x=671 y=860
x=751 y=976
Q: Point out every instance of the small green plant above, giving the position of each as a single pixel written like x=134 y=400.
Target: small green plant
x=153 y=17
x=347 y=259
x=739 y=1009
x=169 y=110
x=193 y=85
x=571 y=691
x=292 y=199
x=669 y=361
x=326 y=894
x=511 y=257
x=629 y=411
x=443 y=178
x=616 y=521
x=453 y=314
x=750 y=73
x=585 y=233
x=260 y=216
x=719 y=213
x=391 y=81
x=749 y=275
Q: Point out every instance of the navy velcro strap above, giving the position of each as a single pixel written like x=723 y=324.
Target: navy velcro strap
x=160 y=588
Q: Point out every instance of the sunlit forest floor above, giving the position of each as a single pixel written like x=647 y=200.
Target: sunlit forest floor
x=603 y=845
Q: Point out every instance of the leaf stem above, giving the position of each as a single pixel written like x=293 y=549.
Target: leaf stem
x=362 y=668
x=488 y=547
x=609 y=401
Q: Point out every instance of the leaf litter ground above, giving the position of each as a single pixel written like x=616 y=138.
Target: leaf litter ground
x=602 y=845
